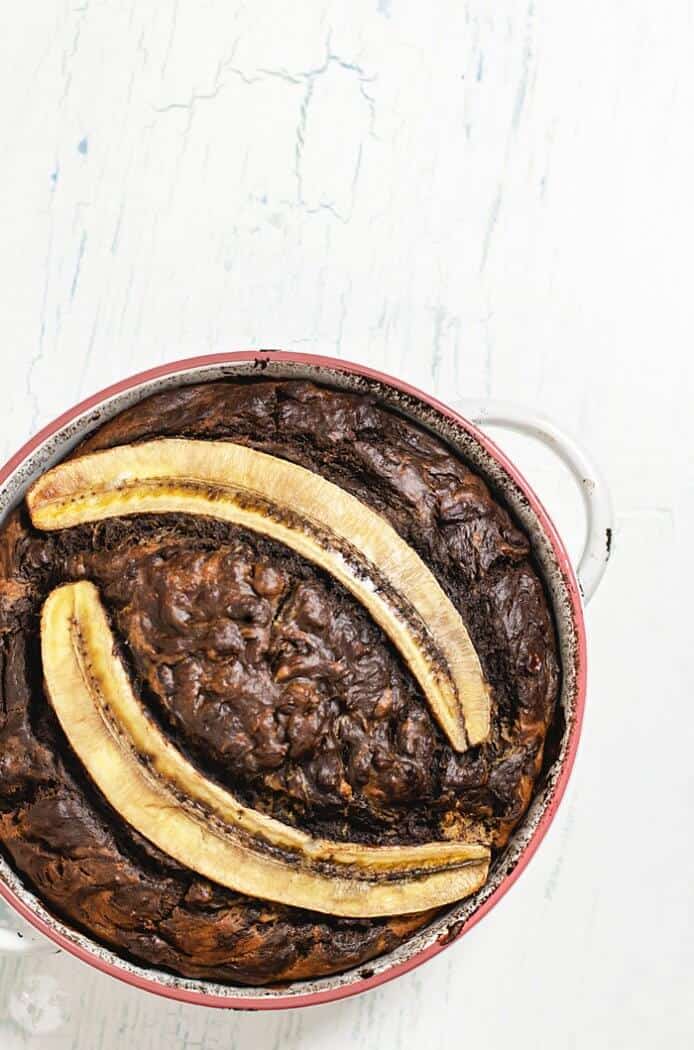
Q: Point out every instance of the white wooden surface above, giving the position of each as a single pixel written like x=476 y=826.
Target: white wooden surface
x=486 y=199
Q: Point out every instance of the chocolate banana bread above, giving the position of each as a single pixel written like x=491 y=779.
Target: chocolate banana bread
x=274 y=680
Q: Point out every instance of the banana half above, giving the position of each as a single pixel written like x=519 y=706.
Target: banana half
x=157 y=791
x=307 y=513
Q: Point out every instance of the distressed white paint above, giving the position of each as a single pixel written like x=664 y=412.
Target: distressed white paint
x=488 y=200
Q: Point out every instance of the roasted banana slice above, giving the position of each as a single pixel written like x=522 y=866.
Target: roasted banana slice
x=304 y=511
x=157 y=791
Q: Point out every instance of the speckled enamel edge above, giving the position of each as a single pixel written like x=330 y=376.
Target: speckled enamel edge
x=52 y=443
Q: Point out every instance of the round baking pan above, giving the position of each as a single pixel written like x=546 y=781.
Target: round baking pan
x=560 y=580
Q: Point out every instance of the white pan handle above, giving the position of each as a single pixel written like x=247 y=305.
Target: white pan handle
x=593 y=487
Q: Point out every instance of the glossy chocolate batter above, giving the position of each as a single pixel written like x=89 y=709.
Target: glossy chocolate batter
x=274 y=680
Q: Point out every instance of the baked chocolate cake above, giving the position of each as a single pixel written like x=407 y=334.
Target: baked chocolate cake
x=276 y=677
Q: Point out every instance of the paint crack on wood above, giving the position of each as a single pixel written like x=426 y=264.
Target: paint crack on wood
x=491 y=225
x=309 y=78
x=78 y=267
x=525 y=71
x=172 y=33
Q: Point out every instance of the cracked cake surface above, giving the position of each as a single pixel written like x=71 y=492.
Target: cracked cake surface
x=272 y=679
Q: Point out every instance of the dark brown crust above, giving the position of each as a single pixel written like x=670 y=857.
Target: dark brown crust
x=275 y=681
